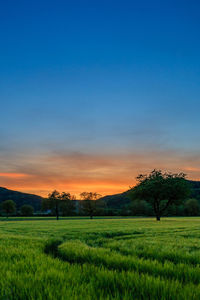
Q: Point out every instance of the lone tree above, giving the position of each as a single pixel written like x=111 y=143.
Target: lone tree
x=8 y=207
x=88 y=205
x=58 y=202
x=67 y=204
x=161 y=190
x=27 y=210
x=52 y=203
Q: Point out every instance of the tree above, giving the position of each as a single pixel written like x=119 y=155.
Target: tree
x=192 y=207
x=140 y=208
x=27 y=210
x=9 y=207
x=88 y=205
x=101 y=207
x=161 y=190
x=59 y=203
x=52 y=203
x=67 y=204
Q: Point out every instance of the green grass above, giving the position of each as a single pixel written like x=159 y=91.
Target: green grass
x=100 y=259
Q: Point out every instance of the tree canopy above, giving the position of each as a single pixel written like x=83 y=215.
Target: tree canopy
x=8 y=207
x=27 y=210
x=161 y=189
x=88 y=205
x=59 y=203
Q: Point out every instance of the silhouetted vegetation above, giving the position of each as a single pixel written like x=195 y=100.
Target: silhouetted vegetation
x=27 y=210
x=192 y=207
x=161 y=190
x=89 y=205
x=92 y=204
x=59 y=204
x=8 y=207
x=21 y=198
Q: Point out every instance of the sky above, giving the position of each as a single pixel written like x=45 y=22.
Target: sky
x=92 y=93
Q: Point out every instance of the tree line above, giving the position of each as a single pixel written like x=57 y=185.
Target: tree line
x=156 y=194
x=8 y=208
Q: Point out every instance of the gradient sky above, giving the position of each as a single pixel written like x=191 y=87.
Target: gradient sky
x=94 y=92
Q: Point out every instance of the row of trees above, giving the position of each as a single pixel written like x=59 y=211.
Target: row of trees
x=64 y=204
x=156 y=194
x=190 y=207
x=8 y=208
x=91 y=206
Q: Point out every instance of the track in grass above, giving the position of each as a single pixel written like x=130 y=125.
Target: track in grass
x=100 y=259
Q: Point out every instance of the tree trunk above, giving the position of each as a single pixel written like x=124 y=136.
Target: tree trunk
x=157 y=217
x=57 y=211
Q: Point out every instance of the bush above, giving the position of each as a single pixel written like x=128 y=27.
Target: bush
x=140 y=208
x=8 y=207
x=192 y=207
x=27 y=210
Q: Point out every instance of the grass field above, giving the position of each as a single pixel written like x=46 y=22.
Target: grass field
x=100 y=259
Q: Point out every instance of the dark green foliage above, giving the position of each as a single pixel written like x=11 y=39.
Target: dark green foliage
x=141 y=208
x=21 y=198
x=67 y=207
x=161 y=190
x=192 y=207
x=195 y=188
x=117 y=201
x=87 y=208
x=8 y=207
x=51 y=246
x=52 y=203
x=59 y=203
x=119 y=204
x=89 y=205
x=180 y=210
x=100 y=207
x=27 y=210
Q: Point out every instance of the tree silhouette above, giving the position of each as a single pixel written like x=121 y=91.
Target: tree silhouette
x=88 y=205
x=9 y=207
x=161 y=190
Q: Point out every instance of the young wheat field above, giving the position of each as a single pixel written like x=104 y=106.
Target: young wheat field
x=100 y=259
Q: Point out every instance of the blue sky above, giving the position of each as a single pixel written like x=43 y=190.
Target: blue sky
x=100 y=81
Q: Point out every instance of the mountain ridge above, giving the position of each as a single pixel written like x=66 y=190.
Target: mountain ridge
x=21 y=198
x=115 y=201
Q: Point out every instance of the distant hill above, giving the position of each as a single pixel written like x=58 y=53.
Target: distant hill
x=113 y=202
x=118 y=201
x=195 y=189
x=20 y=198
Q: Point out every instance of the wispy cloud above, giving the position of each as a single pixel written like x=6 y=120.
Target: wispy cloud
x=78 y=171
x=13 y=175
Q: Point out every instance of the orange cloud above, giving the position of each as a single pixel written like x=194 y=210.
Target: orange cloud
x=103 y=173
x=192 y=169
x=13 y=175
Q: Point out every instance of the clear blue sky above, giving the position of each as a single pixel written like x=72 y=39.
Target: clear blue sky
x=92 y=80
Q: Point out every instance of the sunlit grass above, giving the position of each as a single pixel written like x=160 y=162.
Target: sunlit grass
x=100 y=259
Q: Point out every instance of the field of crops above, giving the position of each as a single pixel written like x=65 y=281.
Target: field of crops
x=100 y=259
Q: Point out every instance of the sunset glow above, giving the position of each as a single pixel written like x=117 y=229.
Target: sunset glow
x=13 y=175
x=89 y=102
x=78 y=172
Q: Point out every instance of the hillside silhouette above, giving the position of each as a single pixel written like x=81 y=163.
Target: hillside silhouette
x=116 y=201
